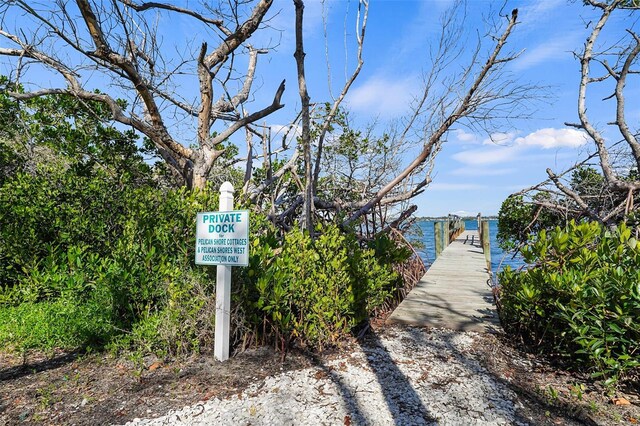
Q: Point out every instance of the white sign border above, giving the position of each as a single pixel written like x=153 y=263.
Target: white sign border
x=198 y=215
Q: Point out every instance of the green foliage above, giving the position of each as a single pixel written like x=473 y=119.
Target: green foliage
x=77 y=131
x=388 y=251
x=580 y=298
x=592 y=187
x=586 y=181
x=354 y=162
x=62 y=130
x=287 y=189
x=11 y=153
x=95 y=253
x=518 y=219
x=51 y=211
x=185 y=322
x=9 y=110
x=90 y=262
x=53 y=324
x=313 y=292
x=73 y=246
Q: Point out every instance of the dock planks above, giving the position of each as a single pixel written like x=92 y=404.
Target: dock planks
x=454 y=293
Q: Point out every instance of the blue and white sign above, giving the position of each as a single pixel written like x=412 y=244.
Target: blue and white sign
x=222 y=238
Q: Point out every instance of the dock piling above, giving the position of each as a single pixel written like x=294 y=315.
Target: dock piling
x=445 y=233
x=437 y=233
x=486 y=245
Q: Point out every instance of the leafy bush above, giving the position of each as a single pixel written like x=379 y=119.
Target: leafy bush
x=73 y=247
x=58 y=323
x=313 y=292
x=95 y=253
x=580 y=298
x=89 y=262
x=518 y=219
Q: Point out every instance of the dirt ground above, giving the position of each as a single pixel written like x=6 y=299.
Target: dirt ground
x=552 y=395
x=97 y=389
x=74 y=389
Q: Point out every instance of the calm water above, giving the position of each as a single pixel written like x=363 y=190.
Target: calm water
x=497 y=255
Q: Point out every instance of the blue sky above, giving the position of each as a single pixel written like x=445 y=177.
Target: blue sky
x=475 y=170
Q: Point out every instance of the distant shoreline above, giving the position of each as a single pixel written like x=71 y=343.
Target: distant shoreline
x=427 y=218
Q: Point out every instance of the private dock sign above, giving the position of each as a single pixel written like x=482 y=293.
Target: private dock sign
x=222 y=238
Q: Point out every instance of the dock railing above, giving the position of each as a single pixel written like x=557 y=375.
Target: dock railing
x=446 y=231
x=456 y=227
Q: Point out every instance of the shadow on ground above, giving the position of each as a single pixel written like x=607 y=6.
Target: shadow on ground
x=29 y=368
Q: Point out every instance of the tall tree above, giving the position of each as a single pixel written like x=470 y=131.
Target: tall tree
x=121 y=41
x=311 y=166
x=478 y=93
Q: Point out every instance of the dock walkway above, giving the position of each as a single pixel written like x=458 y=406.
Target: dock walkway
x=454 y=293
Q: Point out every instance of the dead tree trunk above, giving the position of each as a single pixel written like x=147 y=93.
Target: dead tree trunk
x=123 y=47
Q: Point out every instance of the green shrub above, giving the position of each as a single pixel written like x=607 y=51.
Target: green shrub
x=92 y=251
x=52 y=211
x=518 y=219
x=91 y=242
x=92 y=260
x=55 y=324
x=579 y=298
x=313 y=292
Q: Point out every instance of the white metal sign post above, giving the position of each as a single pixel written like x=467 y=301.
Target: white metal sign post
x=222 y=239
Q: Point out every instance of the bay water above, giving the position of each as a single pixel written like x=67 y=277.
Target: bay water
x=499 y=259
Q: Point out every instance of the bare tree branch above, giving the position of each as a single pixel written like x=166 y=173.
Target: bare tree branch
x=363 y=4
x=573 y=195
x=585 y=60
x=467 y=104
x=305 y=140
x=610 y=199
x=154 y=5
x=620 y=101
x=239 y=36
x=290 y=165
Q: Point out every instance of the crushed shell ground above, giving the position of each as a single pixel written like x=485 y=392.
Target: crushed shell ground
x=399 y=377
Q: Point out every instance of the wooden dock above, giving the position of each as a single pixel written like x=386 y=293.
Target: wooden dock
x=454 y=293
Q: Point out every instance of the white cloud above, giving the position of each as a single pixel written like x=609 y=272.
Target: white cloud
x=464 y=137
x=282 y=129
x=464 y=213
x=554 y=138
x=545 y=138
x=500 y=139
x=505 y=147
x=386 y=97
x=540 y=10
x=279 y=131
x=545 y=6
x=486 y=156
